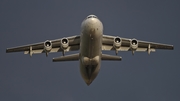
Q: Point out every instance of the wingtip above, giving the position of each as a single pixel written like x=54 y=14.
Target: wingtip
x=53 y=60
x=7 y=50
x=120 y=58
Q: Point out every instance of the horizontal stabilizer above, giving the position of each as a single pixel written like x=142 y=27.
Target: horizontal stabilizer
x=110 y=57
x=73 y=57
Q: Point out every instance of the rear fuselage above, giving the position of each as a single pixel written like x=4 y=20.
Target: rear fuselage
x=90 y=48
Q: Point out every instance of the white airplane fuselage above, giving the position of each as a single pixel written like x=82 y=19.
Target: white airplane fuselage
x=90 y=48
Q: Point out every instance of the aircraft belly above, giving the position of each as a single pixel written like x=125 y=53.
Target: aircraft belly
x=91 y=44
x=90 y=53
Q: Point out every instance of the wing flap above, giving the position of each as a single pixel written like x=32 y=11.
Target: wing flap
x=42 y=51
x=109 y=47
x=53 y=50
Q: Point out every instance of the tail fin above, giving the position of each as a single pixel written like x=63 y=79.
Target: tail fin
x=73 y=57
x=110 y=57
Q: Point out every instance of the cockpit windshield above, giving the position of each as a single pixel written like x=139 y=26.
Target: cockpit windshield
x=91 y=16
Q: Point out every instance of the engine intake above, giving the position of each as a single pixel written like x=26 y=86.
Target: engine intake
x=117 y=42
x=64 y=43
x=47 y=46
x=134 y=44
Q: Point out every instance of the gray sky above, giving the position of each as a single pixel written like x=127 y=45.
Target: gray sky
x=141 y=77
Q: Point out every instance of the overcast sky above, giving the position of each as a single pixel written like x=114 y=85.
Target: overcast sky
x=141 y=77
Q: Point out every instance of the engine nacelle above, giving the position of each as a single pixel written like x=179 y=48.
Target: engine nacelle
x=134 y=44
x=117 y=42
x=64 y=43
x=47 y=46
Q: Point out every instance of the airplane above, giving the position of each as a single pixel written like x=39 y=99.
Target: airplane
x=90 y=43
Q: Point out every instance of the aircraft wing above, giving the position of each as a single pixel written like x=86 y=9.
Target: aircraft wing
x=49 y=46
x=125 y=44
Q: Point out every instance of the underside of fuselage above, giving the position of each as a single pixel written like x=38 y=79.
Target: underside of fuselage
x=90 y=49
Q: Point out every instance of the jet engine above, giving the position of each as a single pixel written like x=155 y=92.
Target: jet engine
x=47 y=46
x=117 y=42
x=64 y=43
x=134 y=44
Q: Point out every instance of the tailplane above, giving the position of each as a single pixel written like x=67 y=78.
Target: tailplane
x=73 y=57
x=110 y=57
